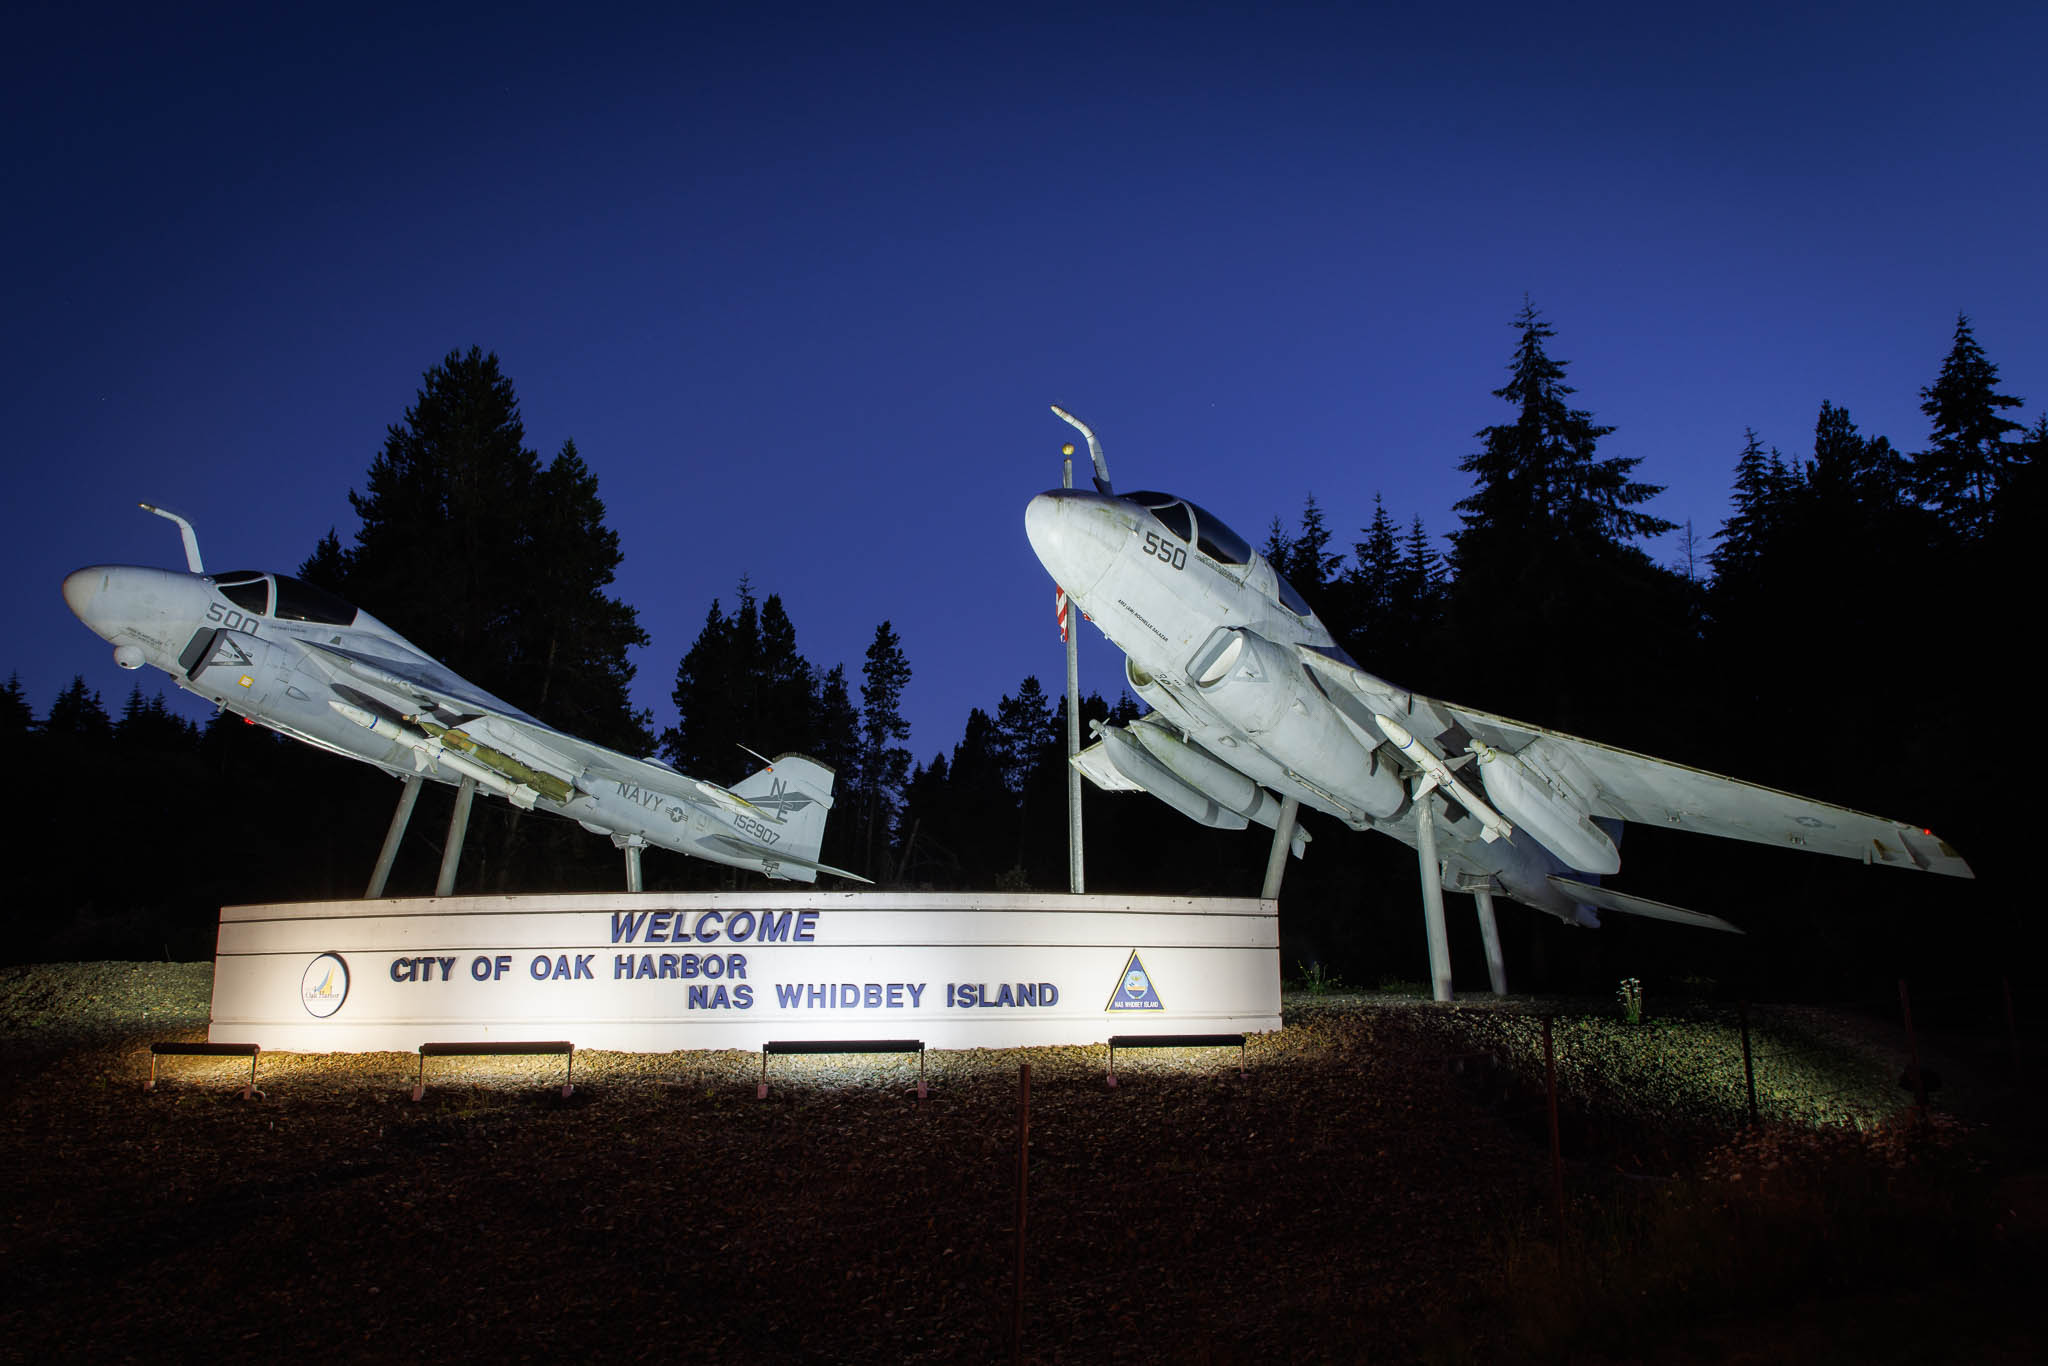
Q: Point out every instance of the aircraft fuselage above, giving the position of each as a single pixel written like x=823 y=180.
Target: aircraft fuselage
x=289 y=657
x=1211 y=635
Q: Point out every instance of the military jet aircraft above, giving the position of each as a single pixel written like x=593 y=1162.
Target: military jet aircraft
x=287 y=655
x=1256 y=712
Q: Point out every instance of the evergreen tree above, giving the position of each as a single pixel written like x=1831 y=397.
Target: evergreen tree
x=147 y=726
x=1420 y=586
x=788 y=717
x=743 y=686
x=960 y=815
x=838 y=748
x=1028 y=742
x=838 y=727
x=1545 y=562
x=1970 y=459
x=1853 y=482
x=79 y=714
x=2021 y=500
x=1304 y=559
x=1279 y=546
x=1372 y=580
x=327 y=566
x=570 y=639
x=1746 y=538
x=490 y=562
x=17 y=717
x=1538 y=477
x=497 y=566
x=1026 y=737
x=884 y=762
x=706 y=727
x=927 y=860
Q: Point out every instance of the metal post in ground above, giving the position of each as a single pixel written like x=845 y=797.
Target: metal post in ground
x=1070 y=632
x=1023 y=1187
x=1748 y=1072
x=1913 y=1044
x=2012 y=1033
x=1556 y=1147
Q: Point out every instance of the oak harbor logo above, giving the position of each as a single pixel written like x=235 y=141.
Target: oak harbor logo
x=324 y=986
x=1134 y=989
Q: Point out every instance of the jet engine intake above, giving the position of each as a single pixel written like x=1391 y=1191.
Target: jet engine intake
x=1153 y=694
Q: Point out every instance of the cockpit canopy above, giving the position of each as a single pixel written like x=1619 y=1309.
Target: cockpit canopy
x=295 y=599
x=1208 y=533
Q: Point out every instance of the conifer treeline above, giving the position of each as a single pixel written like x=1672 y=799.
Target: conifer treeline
x=1862 y=604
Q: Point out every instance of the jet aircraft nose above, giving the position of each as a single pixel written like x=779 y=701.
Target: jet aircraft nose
x=131 y=603
x=1076 y=536
x=82 y=590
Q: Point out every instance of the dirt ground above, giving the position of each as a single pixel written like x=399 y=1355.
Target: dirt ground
x=1367 y=1191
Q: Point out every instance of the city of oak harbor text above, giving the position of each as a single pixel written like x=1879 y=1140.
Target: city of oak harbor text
x=702 y=969
x=565 y=967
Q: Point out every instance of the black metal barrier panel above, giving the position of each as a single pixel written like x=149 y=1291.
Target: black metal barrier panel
x=494 y=1049
x=814 y=1046
x=172 y=1049
x=1117 y=1041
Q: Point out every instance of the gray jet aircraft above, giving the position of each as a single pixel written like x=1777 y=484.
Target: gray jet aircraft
x=287 y=655
x=1256 y=712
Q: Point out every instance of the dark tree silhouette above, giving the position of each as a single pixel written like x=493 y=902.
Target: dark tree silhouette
x=1969 y=458
x=79 y=714
x=884 y=762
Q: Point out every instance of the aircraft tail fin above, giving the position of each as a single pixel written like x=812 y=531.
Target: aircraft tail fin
x=794 y=794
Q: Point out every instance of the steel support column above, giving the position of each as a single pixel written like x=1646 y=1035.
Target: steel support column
x=1432 y=897
x=408 y=797
x=1489 y=934
x=458 y=831
x=632 y=844
x=1283 y=840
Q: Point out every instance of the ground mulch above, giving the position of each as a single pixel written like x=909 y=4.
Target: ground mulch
x=1355 y=1196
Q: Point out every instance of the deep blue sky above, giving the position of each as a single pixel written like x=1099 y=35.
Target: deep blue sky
x=800 y=282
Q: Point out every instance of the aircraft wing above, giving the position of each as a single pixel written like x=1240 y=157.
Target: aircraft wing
x=1623 y=785
x=424 y=681
x=544 y=758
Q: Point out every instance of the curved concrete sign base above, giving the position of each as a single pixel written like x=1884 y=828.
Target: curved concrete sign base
x=658 y=972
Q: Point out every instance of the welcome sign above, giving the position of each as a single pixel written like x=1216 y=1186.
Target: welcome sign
x=656 y=972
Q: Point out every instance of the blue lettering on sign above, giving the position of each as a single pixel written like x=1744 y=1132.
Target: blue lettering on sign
x=849 y=995
x=561 y=969
x=679 y=966
x=980 y=995
x=421 y=969
x=676 y=927
x=721 y=998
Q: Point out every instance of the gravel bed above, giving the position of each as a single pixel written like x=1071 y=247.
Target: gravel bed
x=1356 y=1195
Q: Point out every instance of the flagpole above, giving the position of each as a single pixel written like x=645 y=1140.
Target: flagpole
x=1077 y=881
